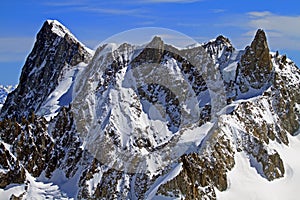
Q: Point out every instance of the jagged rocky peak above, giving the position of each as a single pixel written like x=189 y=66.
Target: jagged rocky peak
x=220 y=41
x=256 y=65
x=156 y=42
x=55 y=51
x=54 y=35
x=56 y=27
x=223 y=39
x=153 y=51
x=220 y=50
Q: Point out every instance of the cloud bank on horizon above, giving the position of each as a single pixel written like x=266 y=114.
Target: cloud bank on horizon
x=93 y=21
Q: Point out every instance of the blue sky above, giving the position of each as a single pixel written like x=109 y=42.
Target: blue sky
x=93 y=21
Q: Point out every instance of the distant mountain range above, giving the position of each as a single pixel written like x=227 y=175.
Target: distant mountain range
x=4 y=91
x=151 y=121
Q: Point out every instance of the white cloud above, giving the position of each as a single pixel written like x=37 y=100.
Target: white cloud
x=177 y=39
x=110 y=11
x=218 y=10
x=190 y=25
x=270 y=33
x=95 y=2
x=63 y=3
x=283 y=31
x=15 y=48
x=93 y=7
x=145 y=23
x=103 y=7
x=287 y=25
x=259 y=14
x=169 y=1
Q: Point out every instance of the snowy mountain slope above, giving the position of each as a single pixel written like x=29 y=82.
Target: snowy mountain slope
x=243 y=173
x=255 y=187
x=130 y=94
x=62 y=94
x=254 y=128
x=154 y=122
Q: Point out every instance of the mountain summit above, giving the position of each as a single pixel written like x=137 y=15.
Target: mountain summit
x=256 y=64
x=55 y=51
x=151 y=121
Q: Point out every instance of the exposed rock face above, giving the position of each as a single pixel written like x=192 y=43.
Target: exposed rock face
x=287 y=93
x=256 y=136
x=54 y=51
x=12 y=171
x=34 y=150
x=255 y=68
x=203 y=171
x=54 y=151
x=29 y=142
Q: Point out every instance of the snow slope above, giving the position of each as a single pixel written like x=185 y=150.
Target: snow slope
x=246 y=183
x=62 y=95
x=33 y=189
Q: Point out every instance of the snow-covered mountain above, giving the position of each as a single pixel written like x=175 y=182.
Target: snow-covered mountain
x=151 y=121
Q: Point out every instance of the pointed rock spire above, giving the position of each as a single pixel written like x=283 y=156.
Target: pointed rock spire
x=256 y=65
x=261 y=50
